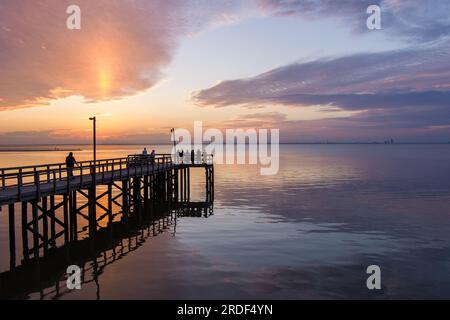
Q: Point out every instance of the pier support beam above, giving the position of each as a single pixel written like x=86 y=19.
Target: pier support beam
x=92 y=213
x=136 y=194
x=34 y=207
x=52 y=215
x=110 y=203
x=45 y=225
x=125 y=195
x=12 y=236
x=73 y=216
x=25 y=230
x=66 y=218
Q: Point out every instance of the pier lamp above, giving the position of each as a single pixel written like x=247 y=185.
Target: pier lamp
x=94 y=137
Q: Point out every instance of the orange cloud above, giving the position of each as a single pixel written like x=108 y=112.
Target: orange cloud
x=120 y=50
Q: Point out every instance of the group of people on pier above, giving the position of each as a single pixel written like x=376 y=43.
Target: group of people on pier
x=181 y=156
x=187 y=156
x=152 y=154
x=71 y=161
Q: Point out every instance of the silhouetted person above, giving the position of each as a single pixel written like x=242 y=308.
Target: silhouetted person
x=144 y=152
x=152 y=156
x=181 y=154
x=70 y=164
x=192 y=156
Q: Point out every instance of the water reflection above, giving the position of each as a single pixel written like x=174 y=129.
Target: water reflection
x=47 y=275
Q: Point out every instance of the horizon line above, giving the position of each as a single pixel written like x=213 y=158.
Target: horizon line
x=165 y=143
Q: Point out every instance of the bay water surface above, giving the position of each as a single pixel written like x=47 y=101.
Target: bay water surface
x=308 y=232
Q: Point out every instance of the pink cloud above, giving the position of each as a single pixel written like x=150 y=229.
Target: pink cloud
x=121 y=49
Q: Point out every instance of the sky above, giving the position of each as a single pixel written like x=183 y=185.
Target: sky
x=311 y=68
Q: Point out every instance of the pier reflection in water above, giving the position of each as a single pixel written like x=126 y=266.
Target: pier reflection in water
x=47 y=275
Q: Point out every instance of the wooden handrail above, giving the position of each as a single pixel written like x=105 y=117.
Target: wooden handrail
x=46 y=173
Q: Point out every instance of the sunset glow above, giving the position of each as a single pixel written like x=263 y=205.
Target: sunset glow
x=156 y=64
x=104 y=80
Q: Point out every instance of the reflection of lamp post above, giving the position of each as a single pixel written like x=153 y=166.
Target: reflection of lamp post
x=94 y=119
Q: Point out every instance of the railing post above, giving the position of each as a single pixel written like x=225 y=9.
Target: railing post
x=120 y=169
x=19 y=184
x=112 y=171
x=54 y=181
x=3 y=180
x=68 y=182
x=81 y=175
x=37 y=184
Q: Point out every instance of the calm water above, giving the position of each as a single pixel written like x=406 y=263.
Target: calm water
x=308 y=232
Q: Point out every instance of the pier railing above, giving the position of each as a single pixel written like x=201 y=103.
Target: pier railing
x=20 y=177
x=48 y=173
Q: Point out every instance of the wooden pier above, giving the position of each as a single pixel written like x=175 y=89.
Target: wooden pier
x=55 y=209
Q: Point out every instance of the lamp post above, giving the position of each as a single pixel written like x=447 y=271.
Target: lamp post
x=172 y=131
x=94 y=137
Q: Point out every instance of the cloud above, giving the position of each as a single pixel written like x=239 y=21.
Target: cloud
x=124 y=46
x=68 y=136
x=403 y=91
x=256 y=120
x=120 y=50
x=412 y=126
x=415 y=20
x=395 y=79
x=42 y=137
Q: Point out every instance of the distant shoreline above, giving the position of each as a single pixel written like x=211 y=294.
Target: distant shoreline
x=206 y=142
x=38 y=150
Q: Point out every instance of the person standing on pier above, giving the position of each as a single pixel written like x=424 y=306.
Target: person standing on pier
x=70 y=164
x=181 y=154
x=152 y=156
x=144 y=152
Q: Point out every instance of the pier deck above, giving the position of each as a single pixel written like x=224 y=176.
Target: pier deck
x=32 y=182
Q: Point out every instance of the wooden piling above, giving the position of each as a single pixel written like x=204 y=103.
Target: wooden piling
x=52 y=215
x=73 y=217
x=45 y=225
x=92 y=210
x=25 y=230
x=146 y=191
x=35 y=213
x=125 y=204
x=110 y=202
x=12 y=236
x=66 y=218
